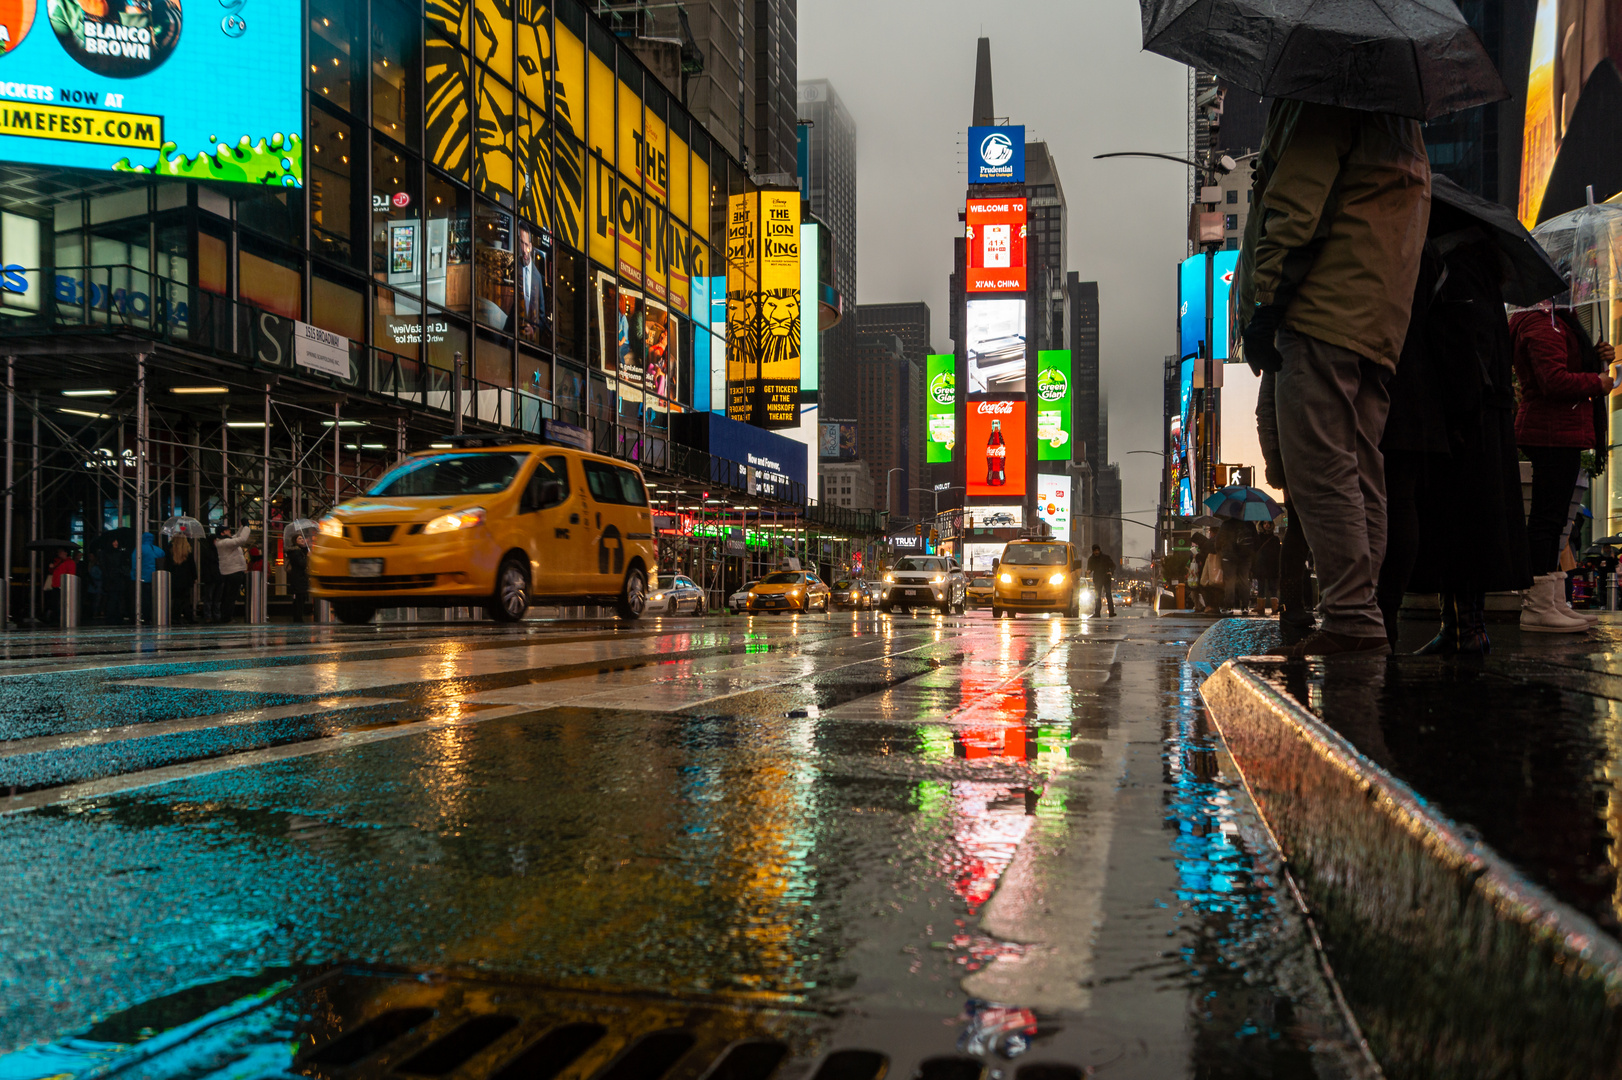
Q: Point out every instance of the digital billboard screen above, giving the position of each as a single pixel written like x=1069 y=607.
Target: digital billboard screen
x=940 y=405
x=836 y=440
x=996 y=448
x=147 y=86
x=1224 y=266
x=1184 y=450
x=997 y=154
x=1053 y=503
x=1191 y=305
x=995 y=232
x=1053 y=419
x=996 y=346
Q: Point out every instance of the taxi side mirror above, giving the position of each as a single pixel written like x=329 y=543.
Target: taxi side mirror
x=539 y=496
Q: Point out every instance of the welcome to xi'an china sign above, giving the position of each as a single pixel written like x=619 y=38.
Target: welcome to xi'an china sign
x=763 y=308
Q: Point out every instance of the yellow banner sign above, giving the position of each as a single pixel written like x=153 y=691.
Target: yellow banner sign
x=103 y=126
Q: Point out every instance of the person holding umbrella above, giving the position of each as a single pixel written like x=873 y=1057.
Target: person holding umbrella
x=298 y=574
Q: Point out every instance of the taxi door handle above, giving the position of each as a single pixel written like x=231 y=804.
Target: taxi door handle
x=574 y=519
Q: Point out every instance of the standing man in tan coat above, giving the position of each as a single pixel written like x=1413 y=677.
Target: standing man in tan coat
x=1326 y=280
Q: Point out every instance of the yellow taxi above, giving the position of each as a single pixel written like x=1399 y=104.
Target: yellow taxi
x=495 y=521
x=978 y=593
x=1040 y=575
x=788 y=590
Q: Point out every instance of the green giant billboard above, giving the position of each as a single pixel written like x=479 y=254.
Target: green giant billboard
x=940 y=403
x=1053 y=405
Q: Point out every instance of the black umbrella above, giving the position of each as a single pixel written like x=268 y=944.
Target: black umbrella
x=1529 y=274
x=1415 y=58
x=51 y=545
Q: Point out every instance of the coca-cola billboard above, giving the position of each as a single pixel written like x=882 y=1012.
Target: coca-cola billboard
x=996 y=448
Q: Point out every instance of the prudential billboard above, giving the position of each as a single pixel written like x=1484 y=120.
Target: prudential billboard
x=171 y=87
x=997 y=154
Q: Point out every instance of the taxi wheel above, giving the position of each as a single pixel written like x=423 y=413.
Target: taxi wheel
x=634 y=597
x=353 y=612
x=996 y=612
x=511 y=601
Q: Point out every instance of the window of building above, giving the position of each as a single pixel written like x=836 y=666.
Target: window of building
x=335 y=40
x=493 y=362
x=397 y=72
x=448 y=242
x=570 y=321
x=1230 y=221
x=1233 y=196
x=397 y=233
x=493 y=244
x=270 y=279
x=332 y=202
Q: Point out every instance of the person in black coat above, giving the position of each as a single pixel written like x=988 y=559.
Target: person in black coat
x=1265 y=565
x=1101 y=568
x=182 y=565
x=298 y=575
x=1456 y=523
x=208 y=572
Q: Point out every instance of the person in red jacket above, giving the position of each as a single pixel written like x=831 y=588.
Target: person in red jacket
x=1564 y=379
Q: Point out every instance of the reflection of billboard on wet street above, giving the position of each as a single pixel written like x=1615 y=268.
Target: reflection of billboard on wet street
x=155 y=86
x=996 y=346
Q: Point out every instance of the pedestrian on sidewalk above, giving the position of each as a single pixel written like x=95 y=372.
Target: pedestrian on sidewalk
x=1326 y=280
x=298 y=575
x=1265 y=564
x=92 y=574
x=1206 y=576
x=151 y=555
x=208 y=573
x=1295 y=618
x=229 y=547
x=62 y=564
x=182 y=576
x=117 y=583
x=1238 y=540
x=1565 y=383
x=1456 y=526
x=1101 y=568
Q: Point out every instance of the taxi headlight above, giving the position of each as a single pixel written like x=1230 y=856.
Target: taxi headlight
x=330 y=526
x=794 y=592
x=457 y=519
x=1056 y=579
x=1006 y=579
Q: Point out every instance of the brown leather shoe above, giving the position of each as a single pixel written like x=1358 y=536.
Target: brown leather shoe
x=1323 y=643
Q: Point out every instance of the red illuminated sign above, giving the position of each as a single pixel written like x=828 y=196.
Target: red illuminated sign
x=996 y=241
x=996 y=448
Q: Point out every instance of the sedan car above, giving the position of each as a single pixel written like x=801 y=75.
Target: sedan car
x=852 y=593
x=978 y=592
x=788 y=590
x=925 y=581
x=740 y=599
x=680 y=594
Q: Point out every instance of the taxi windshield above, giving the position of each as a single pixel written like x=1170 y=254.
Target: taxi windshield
x=1034 y=554
x=451 y=474
x=844 y=583
x=787 y=577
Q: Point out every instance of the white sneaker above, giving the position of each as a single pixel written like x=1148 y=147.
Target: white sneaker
x=1589 y=617
x=1543 y=609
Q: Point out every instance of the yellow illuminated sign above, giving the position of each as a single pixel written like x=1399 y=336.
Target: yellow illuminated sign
x=102 y=126
x=763 y=308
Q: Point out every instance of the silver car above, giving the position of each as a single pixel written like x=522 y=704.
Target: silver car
x=925 y=581
x=736 y=602
x=680 y=594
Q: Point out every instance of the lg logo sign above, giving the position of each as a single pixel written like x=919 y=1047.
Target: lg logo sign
x=399 y=200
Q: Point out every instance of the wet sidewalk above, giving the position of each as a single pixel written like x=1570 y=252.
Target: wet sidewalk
x=1456 y=827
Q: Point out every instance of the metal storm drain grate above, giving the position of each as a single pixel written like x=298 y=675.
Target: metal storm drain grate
x=354 y=1023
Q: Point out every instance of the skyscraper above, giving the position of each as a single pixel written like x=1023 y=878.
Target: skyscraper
x=832 y=194
x=883 y=382
x=733 y=63
x=909 y=322
x=1082 y=296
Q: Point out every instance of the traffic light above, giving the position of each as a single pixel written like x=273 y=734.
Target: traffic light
x=934 y=536
x=918 y=530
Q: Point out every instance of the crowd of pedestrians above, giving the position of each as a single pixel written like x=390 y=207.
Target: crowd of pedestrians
x=1397 y=399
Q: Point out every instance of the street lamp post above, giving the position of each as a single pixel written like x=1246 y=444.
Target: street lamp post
x=889 y=503
x=937 y=493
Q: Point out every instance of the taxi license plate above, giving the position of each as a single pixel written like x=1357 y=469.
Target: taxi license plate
x=1027 y=595
x=365 y=567
x=770 y=603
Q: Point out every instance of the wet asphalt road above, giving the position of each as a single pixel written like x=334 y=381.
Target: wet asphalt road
x=887 y=821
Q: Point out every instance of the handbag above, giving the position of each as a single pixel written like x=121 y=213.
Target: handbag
x=1211 y=572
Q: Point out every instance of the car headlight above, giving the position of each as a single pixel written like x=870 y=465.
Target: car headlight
x=330 y=526
x=889 y=579
x=937 y=579
x=456 y=519
x=794 y=592
x=658 y=596
x=1056 y=579
x=1006 y=579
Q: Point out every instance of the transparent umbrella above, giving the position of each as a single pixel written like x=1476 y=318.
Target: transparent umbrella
x=1585 y=245
x=299 y=527
x=190 y=526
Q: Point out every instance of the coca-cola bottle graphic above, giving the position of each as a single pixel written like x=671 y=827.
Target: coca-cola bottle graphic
x=996 y=457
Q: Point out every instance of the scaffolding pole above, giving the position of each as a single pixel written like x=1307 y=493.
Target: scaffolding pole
x=11 y=418
x=33 y=519
x=267 y=553
x=140 y=478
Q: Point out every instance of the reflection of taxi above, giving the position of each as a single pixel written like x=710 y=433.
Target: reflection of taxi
x=1040 y=575
x=496 y=520
x=788 y=590
x=978 y=593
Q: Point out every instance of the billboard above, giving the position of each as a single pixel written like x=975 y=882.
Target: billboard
x=1568 y=103
x=996 y=346
x=810 y=339
x=940 y=405
x=997 y=154
x=1190 y=305
x=996 y=447
x=1183 y=448
x=1053 y=503
x=996 y=517
x=995 y=231
x=836 y=440
x=1053 y=413
x=1225 y=264
x=145 y=87
x=763 y=308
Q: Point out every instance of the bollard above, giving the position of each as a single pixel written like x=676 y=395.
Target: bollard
x=160 y=598
x=69 y=614
x=256 y=596
x=323 y=611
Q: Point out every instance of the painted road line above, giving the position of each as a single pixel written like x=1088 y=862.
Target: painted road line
x=101 y=736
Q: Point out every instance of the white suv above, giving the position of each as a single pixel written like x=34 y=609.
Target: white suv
x=924 y=581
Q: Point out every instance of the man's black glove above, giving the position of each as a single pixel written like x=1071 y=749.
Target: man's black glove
x=1260 y=351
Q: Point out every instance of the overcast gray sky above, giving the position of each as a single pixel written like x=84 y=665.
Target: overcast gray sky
x=1074 y=73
